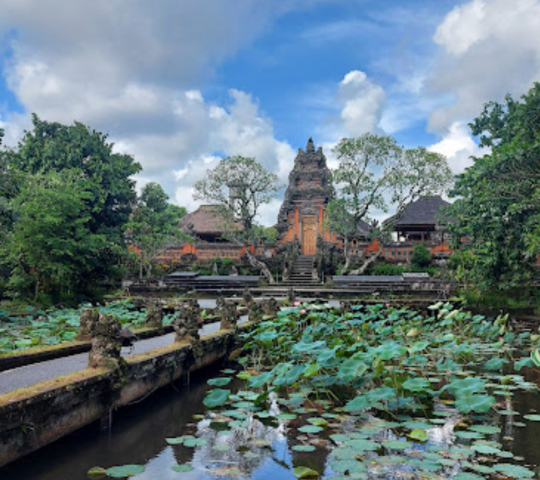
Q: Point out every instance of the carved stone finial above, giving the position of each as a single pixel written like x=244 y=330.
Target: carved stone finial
x=310 y=147
x=87 y=319
x=106 y=343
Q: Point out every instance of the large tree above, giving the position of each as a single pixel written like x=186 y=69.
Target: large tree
x=154 y=224
x=240 y=186
x=375 y=172
x=53 y=157
x=9 y=182
x=497 y=210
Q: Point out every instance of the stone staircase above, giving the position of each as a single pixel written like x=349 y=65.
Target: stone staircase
x=301 y=272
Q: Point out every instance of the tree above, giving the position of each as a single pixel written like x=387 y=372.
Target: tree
x=374 y=171
x=497 y=209
x=240 y=186
x=49 y=248
x=82 y=158
x=9 y=184
x=421 y=256
x=154 y=225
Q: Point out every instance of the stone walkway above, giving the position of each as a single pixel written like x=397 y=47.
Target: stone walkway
x=40 y=372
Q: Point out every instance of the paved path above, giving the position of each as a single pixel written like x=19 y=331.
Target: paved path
x=39 y=372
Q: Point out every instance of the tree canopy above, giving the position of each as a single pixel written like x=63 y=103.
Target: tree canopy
x=373 y=172
x=154 y=224
x=240 y=186
x=497 y=209
x=73 y=201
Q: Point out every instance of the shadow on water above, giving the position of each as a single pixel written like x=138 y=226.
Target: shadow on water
x=138 y=436
x=139 y=432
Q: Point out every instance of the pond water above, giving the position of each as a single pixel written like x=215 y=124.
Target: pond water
x=138 y=437
x=256 y=434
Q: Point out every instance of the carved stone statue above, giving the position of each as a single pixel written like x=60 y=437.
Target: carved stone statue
x=154 y=315
x=106 y=343
x=229 y=317
x=87 y=319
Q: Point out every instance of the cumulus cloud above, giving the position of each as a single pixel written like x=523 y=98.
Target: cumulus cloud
x=488 y=48
x=128 y=68
x=458 y=147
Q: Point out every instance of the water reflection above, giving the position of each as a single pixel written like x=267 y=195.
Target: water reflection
x=261 y=451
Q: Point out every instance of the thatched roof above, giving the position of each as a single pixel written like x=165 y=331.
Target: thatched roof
x=207 y=219
x=425 y=211
x=363 y=228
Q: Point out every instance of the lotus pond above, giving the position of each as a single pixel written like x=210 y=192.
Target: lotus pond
x=38 y=328
x=376 y=392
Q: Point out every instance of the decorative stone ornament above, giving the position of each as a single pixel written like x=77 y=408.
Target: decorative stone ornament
x=88 y=317
x=229 y=317
x=154 y=315
x=106 y=343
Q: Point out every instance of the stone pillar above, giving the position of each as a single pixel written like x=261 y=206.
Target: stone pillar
x=154 y=315
x=106 y=343
x=87 y=319
x=229 y=318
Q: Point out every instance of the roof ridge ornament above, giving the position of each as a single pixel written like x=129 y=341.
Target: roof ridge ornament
x=310 y=147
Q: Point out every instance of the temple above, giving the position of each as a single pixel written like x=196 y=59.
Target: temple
x=301 y=223
x=310 y=188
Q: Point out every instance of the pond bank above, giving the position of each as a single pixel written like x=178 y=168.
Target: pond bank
x=36 y=416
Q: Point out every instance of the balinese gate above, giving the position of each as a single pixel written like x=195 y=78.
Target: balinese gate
x=309 y=235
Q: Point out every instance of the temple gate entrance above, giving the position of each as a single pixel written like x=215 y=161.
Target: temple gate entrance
x=309 y=235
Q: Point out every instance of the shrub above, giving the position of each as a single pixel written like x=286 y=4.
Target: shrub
x=421 y=256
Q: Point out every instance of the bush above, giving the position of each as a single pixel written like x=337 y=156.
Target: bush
x=421 y=256
x=384 y=269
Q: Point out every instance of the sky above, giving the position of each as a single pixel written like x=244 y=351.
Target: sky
x=180 y=85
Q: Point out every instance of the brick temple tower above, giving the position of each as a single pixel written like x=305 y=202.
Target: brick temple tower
x=310 y=189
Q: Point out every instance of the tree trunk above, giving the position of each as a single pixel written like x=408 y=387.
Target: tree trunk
x=260 y=265
x=368 y=262
x=347 y=252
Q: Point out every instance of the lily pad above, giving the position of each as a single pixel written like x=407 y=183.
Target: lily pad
x=125 y=471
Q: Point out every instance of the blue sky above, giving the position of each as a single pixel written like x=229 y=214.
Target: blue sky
x=178 y=84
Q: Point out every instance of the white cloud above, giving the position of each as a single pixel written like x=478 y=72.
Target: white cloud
x=458 y=147
x=355 y=109
x=488 y=48
x=129 y=70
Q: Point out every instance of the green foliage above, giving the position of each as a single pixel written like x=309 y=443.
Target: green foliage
x=421 y=256
x=59 y=249
x=373 y=168
x=153 y=226
x=376 y=381
x=240 y=186
x=33 y=327
x=498 y=198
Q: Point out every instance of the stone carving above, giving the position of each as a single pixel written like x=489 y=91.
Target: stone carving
x=87 y=319
x=154 y=315
x=106 y=343
x=345 y=307
x=247 y=297
x=310 y=186
x=186 y=322
x=270 y=307
x=291 y=296
x=229 y=317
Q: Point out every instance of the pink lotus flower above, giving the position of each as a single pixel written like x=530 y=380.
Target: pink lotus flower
x=296 y=304
x=303 y=310
x=100 y=316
